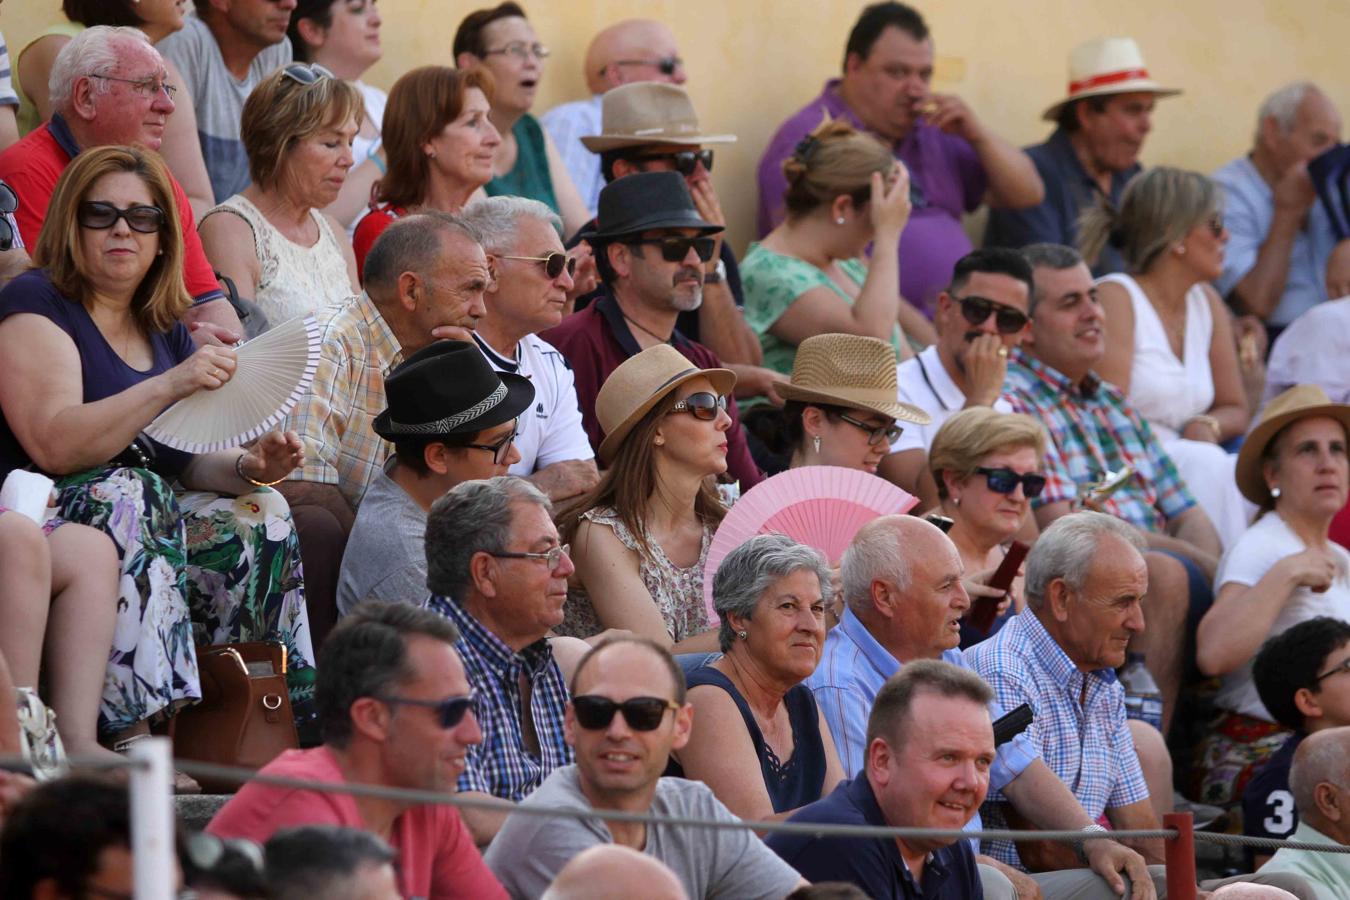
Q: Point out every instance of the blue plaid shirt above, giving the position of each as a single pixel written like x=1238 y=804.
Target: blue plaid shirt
x=1093 y=429
x=1079 y=727
x=501 y=765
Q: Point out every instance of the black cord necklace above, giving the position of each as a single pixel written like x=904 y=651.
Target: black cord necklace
x=630 y=321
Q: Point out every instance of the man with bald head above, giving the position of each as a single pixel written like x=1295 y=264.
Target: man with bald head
x=625 y=52
x=614 y=872
x=904 y=601
x=1320 y=783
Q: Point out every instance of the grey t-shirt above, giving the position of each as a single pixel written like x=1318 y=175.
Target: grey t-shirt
x=530 y=851
x=386 y=556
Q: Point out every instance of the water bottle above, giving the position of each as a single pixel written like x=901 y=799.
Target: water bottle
x=1143 y=700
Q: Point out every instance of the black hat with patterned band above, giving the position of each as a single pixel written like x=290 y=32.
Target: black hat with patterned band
x=449 y=388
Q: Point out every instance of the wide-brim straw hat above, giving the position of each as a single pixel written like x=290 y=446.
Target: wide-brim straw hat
x=1107 y=66
x=1299 y=402
x=638 y=384
x=849 y=370
x=648 y=112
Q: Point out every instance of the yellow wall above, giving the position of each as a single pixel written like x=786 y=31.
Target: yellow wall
x=752 y=62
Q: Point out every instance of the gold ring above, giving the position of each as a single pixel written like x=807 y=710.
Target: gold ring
x=1003 y=352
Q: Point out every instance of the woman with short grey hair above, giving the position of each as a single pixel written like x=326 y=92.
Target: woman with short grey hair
x=762 y=745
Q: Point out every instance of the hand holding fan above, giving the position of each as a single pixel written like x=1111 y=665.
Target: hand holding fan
x=274 y=370
x=820 y=506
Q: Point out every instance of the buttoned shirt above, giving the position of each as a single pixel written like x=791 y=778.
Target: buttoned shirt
x=567 y=124
x=1079 y=726
x=1094 y=429
x=502 y=765
x=925 y=382
x=334 y=416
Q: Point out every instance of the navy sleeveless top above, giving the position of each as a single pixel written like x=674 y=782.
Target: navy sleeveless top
x=801 y=779
x=102 y=371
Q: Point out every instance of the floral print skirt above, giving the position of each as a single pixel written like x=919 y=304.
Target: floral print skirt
x=196 y=568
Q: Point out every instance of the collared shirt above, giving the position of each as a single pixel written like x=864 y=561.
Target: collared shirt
x=874 y=864
x=948 y=180
x=334 y=417
x=853 y=667
x=567 y=124
x=1094 y=429
x=1069 y=190
x=501 y=765
x=925 y=382
x=1329 y=873
x=1079 y=726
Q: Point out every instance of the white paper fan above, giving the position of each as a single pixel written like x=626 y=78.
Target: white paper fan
x=274 y=371
x=820 y=506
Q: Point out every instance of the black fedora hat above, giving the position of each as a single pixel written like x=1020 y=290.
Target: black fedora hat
x=645 y=201
x=449 y=388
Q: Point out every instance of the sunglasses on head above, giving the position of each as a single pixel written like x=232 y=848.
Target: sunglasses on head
x=98 y=215
x=1006 y=319
x=685 y=161
x=875 y=433
x=449 y=712
x=1004 y=481
x=554 y=263
x=9 y=204
x=641 y=713
x=306 y=73
x=675 y=249
x=666 y=65
x=703 y=405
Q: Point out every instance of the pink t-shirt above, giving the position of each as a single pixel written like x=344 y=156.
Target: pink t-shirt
x=437 y=858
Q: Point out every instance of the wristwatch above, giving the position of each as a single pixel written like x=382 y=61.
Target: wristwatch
x=717 y=275
x=1097 y=831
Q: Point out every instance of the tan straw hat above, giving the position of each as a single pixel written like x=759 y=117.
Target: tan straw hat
x=1107 y=66
x=638 y=384
x=648 y=112
x=849 y=370
x=1299 y=402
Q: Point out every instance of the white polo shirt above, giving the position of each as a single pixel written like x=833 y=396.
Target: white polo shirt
x=924 y=383
x=550 y=431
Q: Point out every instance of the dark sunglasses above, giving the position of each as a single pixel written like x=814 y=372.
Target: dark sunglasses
x=1005 y=481
x=554 y=263
x=449 y=712
x=686 y=161
x=99 y=215
x=641 y=713
x=875 y=433
x=666 y=65
x=306 y=73
x=675 y=249
x=703 y=405
x=9 y=204
x=1006 y=319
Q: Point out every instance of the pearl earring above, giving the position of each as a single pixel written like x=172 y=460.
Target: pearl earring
x=660 y=441
x=1180 y=249
x=1275 y=493
x=956 y=501
x=839 y=221
x=741 y=635
x=815 y=443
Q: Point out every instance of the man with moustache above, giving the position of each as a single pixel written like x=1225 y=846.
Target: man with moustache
x=628 y=711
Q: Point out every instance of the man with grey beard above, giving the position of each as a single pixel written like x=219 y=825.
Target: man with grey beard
x=650 y=246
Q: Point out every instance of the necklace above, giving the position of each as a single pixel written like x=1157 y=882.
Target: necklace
x=627 y=318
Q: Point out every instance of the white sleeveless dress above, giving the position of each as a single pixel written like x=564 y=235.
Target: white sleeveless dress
x=1167 y=391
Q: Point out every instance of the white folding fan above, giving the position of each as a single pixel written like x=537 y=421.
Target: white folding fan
x=820 y=506
x=274 y=370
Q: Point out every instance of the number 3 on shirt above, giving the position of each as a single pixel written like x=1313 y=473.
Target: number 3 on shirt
x=1281 y=806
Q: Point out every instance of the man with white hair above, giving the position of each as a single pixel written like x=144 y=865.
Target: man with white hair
x=1280 y=240
x=625 y=52
x=1320 y=783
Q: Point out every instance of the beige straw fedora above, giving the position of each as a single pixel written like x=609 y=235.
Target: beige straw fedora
x=849 y=370
x=638 y=384
x=648 y=112
x=1299 y=402
x=1107 y=66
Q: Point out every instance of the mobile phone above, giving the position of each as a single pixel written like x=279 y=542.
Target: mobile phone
x=943 y=522
x=984 y=611
x=1011 y=724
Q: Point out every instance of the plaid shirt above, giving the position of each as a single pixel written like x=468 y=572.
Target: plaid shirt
x=501 y=766
x=335 y=415
x=1093 y=429
x=1079 y=727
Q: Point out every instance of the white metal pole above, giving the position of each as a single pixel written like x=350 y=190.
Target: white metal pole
x=152 y=822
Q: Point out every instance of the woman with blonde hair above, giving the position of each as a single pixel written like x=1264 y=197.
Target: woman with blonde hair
x=1172 y=349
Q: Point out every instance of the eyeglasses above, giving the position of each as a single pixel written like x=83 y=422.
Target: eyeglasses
x=1215 y=223
x=686 y=161
x=521 y=50
x=1344 y=666
x=146 y=87
x=554 y=263
x=306 y=73
x=703 y=405
x=552 y=557
x=1006 y=319
x=498 y=449
x=875 y=433
x=675 y=249
x=641 y=713
x=9 y=204
x=449 y=712
x=666 y=65
x=98 y=215
x=1004 y=481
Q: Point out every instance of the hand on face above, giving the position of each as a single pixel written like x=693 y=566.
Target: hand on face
x=950 y=113
x=986 y=363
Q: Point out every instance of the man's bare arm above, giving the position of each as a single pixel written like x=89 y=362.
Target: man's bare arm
x=565 y=479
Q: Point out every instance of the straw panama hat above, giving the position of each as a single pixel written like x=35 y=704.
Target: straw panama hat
x=1299 y=402
x=638 y=384
x=1107 y=66
x=849 y=370
x=648 y=112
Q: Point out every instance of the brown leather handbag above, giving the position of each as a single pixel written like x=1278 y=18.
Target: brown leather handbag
x=245 y=716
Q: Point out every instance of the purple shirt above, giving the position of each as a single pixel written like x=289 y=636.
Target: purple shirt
x=944 y=170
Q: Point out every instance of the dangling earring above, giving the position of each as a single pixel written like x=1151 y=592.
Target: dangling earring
x=741 y=635
x=815 y=443
x=1275 y=493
